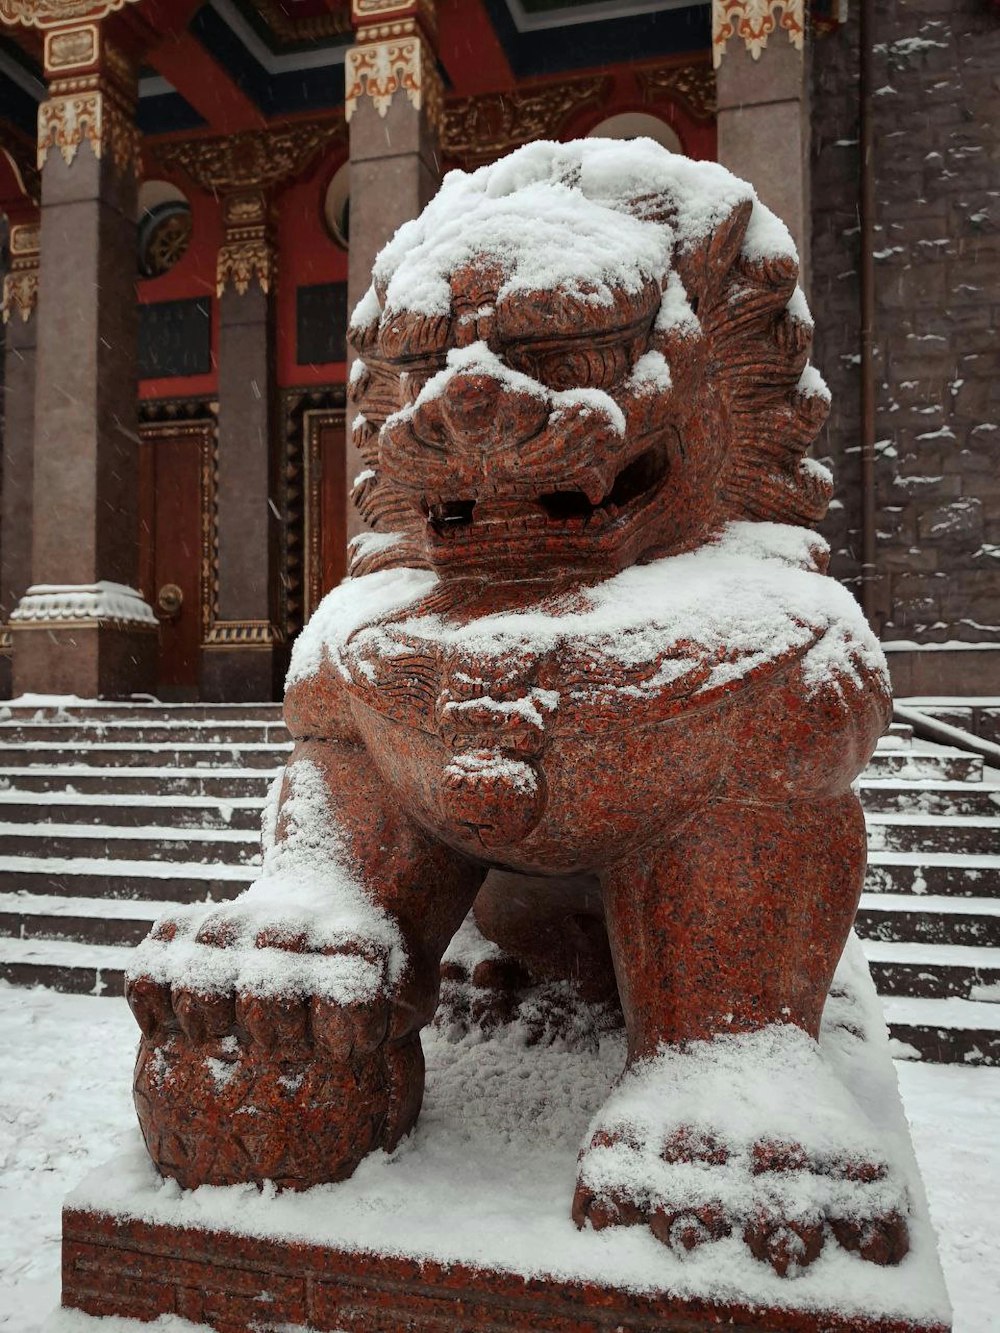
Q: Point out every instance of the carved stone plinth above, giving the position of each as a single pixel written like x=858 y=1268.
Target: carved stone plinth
x=464 y=1230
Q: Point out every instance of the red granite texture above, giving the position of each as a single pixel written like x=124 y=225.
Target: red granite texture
x=112 y=1265
x=719 y=825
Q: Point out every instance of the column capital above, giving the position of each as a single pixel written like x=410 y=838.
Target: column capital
x=247 y=252
x=20 y=285
x=92 y=94
x=753 y=21
x=394 y=54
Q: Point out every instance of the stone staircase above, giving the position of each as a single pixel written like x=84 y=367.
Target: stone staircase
x=111 y=812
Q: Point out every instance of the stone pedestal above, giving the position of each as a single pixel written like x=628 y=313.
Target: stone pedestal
x=466 y=1227
x=85 y=482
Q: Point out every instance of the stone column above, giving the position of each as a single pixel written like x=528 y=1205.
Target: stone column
x=393 y=101
x=244 y=657
x=763 y=108
x=20 y=299
x=81 y=627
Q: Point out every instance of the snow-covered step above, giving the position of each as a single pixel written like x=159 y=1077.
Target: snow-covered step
x=224 y=781
x=947 y=1031
x=81 y=969
x=36 y=916
x=931 y=919
x=57 y=708
x=199 y=732
x=889 y=795
x=938 y=763
x=42 y=808
x=151 y=843
x=933 y=970
x=91 y=877
x=934 y=833
x=959 y=875
x=128 y=754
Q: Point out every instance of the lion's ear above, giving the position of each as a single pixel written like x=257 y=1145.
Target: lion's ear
x=706 y=264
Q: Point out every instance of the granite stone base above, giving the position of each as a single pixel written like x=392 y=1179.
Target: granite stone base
x=91 y=660
x=113 y=1265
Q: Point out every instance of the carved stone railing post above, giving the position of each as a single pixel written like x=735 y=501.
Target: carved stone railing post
x=81 y=627
x=20 y=300
x=759 y=50
x=394 y=104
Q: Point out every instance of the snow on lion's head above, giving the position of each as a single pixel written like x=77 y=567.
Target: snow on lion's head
x=582 y=356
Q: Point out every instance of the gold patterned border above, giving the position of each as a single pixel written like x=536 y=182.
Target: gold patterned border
x=693 y=86
x=753 y=21
x=20 y=285
x=75 y=115
x=400 y=61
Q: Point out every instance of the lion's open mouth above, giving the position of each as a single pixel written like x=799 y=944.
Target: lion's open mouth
x=635 y=482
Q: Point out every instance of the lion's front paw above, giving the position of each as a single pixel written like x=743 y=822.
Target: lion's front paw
x=265 y=1056
x=750 y=1136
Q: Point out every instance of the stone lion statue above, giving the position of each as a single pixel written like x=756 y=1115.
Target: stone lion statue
x=589 y=678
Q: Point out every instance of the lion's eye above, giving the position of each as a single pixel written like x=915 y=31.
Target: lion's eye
x=570 y=367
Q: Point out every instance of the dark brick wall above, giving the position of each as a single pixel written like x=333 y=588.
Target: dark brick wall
x=937 y=246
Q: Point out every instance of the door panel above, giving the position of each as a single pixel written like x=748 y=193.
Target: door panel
x=172 y=506
x=326 y=505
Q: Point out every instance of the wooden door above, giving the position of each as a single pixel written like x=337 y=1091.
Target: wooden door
x=174 y=508
x=324 y=448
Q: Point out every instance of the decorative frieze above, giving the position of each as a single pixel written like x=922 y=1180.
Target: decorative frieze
x=252 y=159
x=20 y=286
x=753 y=21
x=49 y=605
x=56 y=13
x=482 y=128
x=393 y=58
x=692 y=85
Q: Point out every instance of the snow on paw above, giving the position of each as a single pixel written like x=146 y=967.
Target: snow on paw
x=750 y=1134
x=265 y=1051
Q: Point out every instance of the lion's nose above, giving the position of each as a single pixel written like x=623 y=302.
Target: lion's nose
x=482 y=412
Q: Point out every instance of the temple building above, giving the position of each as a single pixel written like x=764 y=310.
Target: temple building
x=193 y=194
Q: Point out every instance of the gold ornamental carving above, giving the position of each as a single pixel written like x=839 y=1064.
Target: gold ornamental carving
x=243 y=634
x=56 y=13
x=253 y=158
x=79 y=113
x=482 y=128
x=77 y=48
x=400 y=61
x=693 y=86
x=241 y=261
x=246 y=254
x=314 y=28
x=20 y=285
x=753 y=21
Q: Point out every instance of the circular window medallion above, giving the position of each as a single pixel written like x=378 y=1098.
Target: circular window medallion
x=337 y=206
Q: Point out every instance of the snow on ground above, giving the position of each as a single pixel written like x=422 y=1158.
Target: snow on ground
x=65 y=1071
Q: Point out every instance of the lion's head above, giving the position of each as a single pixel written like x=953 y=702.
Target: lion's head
x=583 y=356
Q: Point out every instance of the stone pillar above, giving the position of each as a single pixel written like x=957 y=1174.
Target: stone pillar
x=20 y=299
x=81 y=627
x=393 y=102
x=763 y=108
x=244 y=657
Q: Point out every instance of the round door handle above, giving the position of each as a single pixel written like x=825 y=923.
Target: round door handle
x=170 y=599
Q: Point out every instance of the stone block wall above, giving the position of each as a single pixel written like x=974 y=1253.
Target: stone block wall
x=937 y=249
